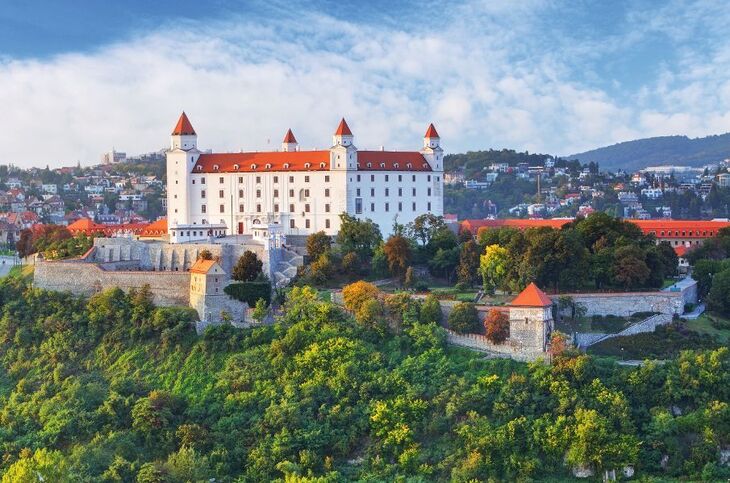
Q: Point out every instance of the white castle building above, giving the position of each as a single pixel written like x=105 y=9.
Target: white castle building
x=297 y=192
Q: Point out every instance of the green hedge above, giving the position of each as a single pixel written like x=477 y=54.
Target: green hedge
x=249 y=292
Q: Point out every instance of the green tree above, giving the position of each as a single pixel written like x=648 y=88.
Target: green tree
x=360 y=236
x=260 y=311
x=464 y=318
x=424 y=227
x=317 y=244
x=719 y=296
x=629 y=268
x=468 y=270
x=40 y=465
x=494 y=265
x=248 y=267
x=205 y=254
x=431 y=312
x=351 y=264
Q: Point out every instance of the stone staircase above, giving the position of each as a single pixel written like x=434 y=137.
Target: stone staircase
x=286 y=268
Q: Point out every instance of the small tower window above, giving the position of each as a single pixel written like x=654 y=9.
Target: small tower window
x=382 y=165
x=396 y=166
x=286 y=165
x=321 y=165
x=307 y=165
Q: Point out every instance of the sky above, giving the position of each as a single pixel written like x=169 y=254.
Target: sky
x=80 y=77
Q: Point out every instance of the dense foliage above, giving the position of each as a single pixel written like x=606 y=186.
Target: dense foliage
x=250 y=292
x=53 y=242
x=114 y=389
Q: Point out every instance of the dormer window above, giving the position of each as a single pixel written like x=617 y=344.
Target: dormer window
x=253 y=166
x=382 y=165
x=321 y=165
x=307 y=165
x=409 y=165
x=268 y=166
x=396 y=166
x=236 y=167
x=199 y=168
x=370 y=165
x=216 y=167
x=286 y=165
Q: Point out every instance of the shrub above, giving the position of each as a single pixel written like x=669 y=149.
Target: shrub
x=431 y=311
x=496 y=326
x=464 y=318
x=356 y=294
x=249 y=292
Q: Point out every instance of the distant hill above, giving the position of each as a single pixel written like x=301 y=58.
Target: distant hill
x=681 y=150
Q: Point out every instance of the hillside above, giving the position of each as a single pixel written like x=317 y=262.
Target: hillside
x=681 y=150
x=113 y=389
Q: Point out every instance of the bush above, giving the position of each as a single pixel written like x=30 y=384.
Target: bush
x=464 y=319
x=496 y=326
x=431 y=311
x=420 y=286
x=250 y=292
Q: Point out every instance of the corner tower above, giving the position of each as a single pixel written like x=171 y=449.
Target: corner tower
x=343 y=154
x=290 y=142
x=181 y=157
x=531 y=319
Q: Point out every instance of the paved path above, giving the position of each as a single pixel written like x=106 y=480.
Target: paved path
x=695 y=314
x=6 y=263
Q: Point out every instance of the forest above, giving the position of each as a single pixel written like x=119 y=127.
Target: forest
x=114 y=389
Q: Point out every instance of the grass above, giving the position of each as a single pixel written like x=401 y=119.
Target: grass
x=711 y=324
x=608 y=324
x=664 y=343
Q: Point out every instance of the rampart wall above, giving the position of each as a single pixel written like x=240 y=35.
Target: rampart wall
x=625 y=304
x=80 y=278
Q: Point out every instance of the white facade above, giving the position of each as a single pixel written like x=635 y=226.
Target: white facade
x=209 y=194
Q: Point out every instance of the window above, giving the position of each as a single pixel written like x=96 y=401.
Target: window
x=291 y=208
x=400 y=206
x=400 y=191
x=386 y=178
x=372 y=178
x=306 y=223
x=176 y=181
x=202 y=181
x=358 y=206
x=356 y=194
x=400 y=177
x=258 y=193
x=220 y=180
x=438 y=179
x=222 y=208
x=428 y=192
x=202 y=193
x=202 y=208
x=240 y=179
x=258 y=179
x=372 y=191
x=327 y=208
x=327 y=178
x=306 y=193
x=429 y=206
x=387 y=191
x=414 y=206
x=240 y=193
x=358 y=178
x=414 y=191
x=327 y=223
x=276 y=193
x=276 y=179
x=306 y=208
x=291 y=179
x=276 y=207
x=220 y=193
x=240 y=208
x=372 y=207
x=429 y=178
x=413 y=177
x=258 y=208
x=291 y=224
x=306 y=179
x=291 y=193
x=387 y=207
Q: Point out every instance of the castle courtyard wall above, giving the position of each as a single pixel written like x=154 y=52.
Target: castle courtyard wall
x=628 y=303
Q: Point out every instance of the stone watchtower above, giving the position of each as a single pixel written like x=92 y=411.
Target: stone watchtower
x=214 y=306
x=531 y=319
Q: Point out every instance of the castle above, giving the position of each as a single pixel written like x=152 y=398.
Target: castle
x=297 y=192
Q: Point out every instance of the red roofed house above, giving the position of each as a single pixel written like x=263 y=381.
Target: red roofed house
x=531 y=319
x=300 y=192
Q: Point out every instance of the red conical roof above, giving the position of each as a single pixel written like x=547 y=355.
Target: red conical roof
x=431 y=132
x=183 y=126
x=343 y=129
x=532 y=296
x=289 y=137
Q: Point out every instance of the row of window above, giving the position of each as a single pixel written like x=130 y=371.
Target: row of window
x=386 y=206
x=387 y=192
x=222 y=179
x=221 y=193
x=684 y=233
x=400 y=178
x=307 y=224
x=222 y=208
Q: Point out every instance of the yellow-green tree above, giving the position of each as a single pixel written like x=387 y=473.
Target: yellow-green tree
x=494 y=265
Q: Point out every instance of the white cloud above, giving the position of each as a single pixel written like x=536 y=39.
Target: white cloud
x=483 y=74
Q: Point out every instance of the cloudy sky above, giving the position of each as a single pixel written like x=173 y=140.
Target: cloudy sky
x=77 y=78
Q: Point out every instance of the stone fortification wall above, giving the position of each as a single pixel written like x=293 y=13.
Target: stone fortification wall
x=168 y=288
x=217 y=309
x=509 y=349
x=625 y=304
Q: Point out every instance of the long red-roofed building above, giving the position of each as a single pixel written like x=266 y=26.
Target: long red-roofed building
x=297 y=191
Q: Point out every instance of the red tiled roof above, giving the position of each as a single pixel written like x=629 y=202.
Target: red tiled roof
x=681 y=228
x=202 y=266
x=89 y=227
x=343 y=129
x=289 y=137
x=156 y=228
x=532 y=296
x=474 y=225
x=183 y=126
x=431 y=132
x=680 y=250
x=387 y=161
x=258 y=162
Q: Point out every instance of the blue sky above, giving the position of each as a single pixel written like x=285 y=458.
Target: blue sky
x=546 y=76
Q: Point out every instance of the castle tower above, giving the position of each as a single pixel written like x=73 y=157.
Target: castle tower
x=531 y=319
x=432 y=148
x=289 y=143
x=181 y=157
x=343 y=154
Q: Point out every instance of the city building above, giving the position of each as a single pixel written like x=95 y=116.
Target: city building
x=298 y=192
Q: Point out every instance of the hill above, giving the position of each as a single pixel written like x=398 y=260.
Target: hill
x=113 y=389
x=680 y=150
